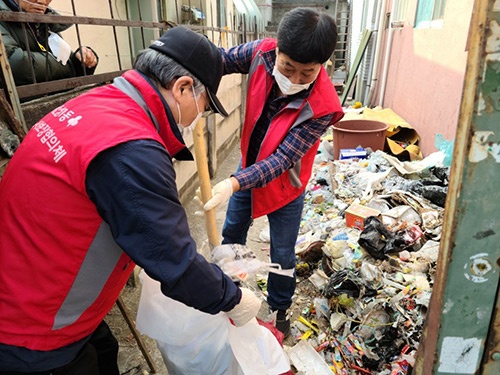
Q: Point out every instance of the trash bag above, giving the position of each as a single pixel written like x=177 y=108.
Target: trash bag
x=194 y=342
x=377 y=240
x=341 y=283
x=435 y=194
x=257 y=350
x=442 y=173
x=434 y=191
x=188 y=339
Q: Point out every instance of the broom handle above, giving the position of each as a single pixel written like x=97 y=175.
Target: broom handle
x=200 y=152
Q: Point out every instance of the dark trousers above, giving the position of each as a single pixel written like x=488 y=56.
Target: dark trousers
x=99 y=356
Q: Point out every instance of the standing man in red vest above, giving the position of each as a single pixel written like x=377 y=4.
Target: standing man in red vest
x=91 y=192
x=291 y=102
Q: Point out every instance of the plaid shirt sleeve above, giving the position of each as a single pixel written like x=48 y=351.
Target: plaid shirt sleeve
x=298 y=141
x=239 y=58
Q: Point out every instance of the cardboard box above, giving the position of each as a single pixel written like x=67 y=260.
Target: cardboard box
x=356 y=214
x=351 y=153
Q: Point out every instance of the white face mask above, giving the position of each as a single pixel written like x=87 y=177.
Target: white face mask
x=286 y=86
x=188 y=129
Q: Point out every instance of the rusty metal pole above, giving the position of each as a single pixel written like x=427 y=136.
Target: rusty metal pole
x=131 y=325
x=461 y=333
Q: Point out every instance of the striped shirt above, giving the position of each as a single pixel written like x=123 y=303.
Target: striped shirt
x=298 y=141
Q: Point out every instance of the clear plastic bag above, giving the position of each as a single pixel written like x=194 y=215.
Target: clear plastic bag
x=239 y=262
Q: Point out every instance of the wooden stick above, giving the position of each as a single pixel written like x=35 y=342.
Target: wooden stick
x=200 y=152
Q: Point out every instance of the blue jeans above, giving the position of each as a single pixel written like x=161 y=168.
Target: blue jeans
x=283 y=227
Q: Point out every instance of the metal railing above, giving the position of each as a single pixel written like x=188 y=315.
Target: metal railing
x=241 y=30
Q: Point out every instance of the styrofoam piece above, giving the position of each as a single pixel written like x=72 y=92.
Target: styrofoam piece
x=306 y=359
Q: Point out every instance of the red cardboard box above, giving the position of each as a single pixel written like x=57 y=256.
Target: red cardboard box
x=356 y=214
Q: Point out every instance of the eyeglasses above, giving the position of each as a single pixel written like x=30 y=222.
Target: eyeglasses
x=208 y=111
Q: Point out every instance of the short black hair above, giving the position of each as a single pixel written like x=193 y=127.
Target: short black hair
x=307 y=36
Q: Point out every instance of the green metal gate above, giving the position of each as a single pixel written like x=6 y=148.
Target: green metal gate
x=462 y=329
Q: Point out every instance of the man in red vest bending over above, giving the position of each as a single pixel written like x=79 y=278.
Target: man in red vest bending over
x=90 y=193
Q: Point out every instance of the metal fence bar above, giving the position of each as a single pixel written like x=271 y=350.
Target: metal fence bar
x=26 y=42
x=177 y=11
x=115 y=36
x=38 y=18
x=41 y=88
x=38 y=89
x=44 y=18
x=141 y=28
x=212 y=15
x=78 y=38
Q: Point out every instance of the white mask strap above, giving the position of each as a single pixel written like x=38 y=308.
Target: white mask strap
x=178 y=113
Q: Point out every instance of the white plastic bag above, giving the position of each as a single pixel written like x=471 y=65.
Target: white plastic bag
x=189 y=340
x=193 y=342
x=59 y=47
x=257 y=350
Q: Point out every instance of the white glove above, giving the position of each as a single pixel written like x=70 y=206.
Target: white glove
x=247 y=309
x=199 y=204
x=221 y=193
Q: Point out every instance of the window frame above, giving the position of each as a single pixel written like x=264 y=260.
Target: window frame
x=430 y=14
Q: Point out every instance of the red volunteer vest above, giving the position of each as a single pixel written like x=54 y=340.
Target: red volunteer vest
x=61 y=272
x=322 y=101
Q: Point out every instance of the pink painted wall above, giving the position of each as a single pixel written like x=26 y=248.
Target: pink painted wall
x=426 y=72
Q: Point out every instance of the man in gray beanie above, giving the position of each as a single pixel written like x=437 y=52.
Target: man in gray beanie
x=90 y=193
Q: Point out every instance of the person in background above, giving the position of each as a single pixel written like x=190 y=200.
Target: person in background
x=291 y=102
x=89 y=194
x=38 y=48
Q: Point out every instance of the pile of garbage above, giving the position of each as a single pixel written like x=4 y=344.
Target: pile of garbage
x=366 y=259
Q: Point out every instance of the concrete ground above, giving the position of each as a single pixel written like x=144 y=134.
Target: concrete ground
x=131 y=360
